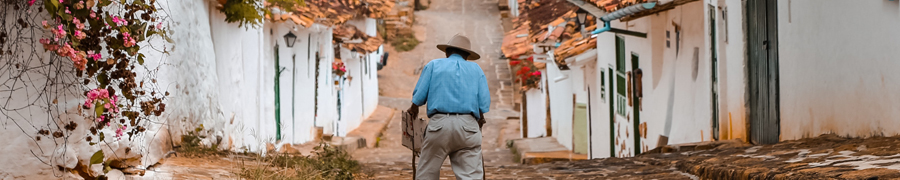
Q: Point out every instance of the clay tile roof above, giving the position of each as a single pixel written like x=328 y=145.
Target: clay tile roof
x=331 y=12
x=546 y=11
x=613 y=5
x=575 y=46
x=352 y=38
x=516 y=42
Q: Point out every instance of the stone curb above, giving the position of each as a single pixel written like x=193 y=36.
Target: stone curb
x=372 y=128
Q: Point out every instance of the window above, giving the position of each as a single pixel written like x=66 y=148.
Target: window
x=725 y=24
x=620 y=54
x=603 y=85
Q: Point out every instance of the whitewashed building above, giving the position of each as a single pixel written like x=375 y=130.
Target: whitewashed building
x=680 y=71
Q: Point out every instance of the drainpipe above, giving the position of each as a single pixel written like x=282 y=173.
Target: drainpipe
x=622 y=13
x=606 y=27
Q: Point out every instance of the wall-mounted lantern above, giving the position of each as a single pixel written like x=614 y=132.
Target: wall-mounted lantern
x=289 y=39
x=581 y=16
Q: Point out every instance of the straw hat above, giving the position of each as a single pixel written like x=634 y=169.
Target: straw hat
x=462 y=43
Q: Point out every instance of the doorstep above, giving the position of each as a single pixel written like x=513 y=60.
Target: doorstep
x=542 y=150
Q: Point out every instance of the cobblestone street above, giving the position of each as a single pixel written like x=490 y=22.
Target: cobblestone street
x=480 y=21
x=824 y=157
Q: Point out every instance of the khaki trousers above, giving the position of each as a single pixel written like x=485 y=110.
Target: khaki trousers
x=457 y=136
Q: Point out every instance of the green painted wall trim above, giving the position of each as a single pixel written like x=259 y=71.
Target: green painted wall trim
x=277 y=97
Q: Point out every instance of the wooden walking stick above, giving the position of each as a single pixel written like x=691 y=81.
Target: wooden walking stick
x=414 y=154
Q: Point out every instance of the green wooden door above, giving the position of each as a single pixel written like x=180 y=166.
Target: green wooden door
x=580 y=129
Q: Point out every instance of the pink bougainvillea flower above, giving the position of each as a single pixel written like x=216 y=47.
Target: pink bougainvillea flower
x=93 y=14
x=120 y=21
x=31 y=2
x=95 y=56
x=67 y=10
x=120 y=131
x=536 y=73
x=93 y=94
x=63 y=51
x=129 y=42
x=159 y=26
x=106 y=105
x=104 y=93
x=78 y=24
x=51 y=47
x=45 y=41
x=88 y=102
x=80 y=35
x=46 y=26
x=79 y=61
x=60 y=31
x=62 y=1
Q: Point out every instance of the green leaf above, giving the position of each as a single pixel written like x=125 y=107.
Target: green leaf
x=101 y=137
x=50 y=5
x=103 y=79
x=141 y=59
x=97 y=157
x=109 y=21
x=98 y=108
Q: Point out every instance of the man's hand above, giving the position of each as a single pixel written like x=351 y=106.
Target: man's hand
x=481 y=121
x=413 y=110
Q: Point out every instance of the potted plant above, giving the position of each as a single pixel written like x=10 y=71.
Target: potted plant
x=338 y=68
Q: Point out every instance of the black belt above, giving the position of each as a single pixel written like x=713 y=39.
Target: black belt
x=451 y=114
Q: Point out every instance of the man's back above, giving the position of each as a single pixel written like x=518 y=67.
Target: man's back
x=453 y=85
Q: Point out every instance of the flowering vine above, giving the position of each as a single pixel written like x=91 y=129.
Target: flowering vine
x=103 y=39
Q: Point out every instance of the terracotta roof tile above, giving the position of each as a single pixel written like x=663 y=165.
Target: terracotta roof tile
x=613 y=5
x=333 y=12
x=516 y=42
x=352 y=38
x=574 y=46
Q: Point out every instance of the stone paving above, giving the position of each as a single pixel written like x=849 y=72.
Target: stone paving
x=480 y=21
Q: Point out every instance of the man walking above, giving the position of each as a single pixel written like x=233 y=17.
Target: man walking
x=457 y=95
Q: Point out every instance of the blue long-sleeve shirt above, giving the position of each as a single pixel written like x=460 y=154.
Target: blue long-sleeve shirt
x=453 y=85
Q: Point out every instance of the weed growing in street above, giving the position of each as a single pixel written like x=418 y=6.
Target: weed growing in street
x=405 y=42
x=191 y=147
x=327 y=163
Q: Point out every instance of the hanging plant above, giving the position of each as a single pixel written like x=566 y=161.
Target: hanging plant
x=529 y=76
x=338 y=68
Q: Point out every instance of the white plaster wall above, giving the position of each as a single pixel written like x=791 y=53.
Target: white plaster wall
x=837 y=66
x=732 y=70
x=691 y=113
x=237 y=53
x=560 y=104
x=360 y=89
x=327 y=111
x=537 y=113
x=351 y=106
x=600 y=122
x=666 y=73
